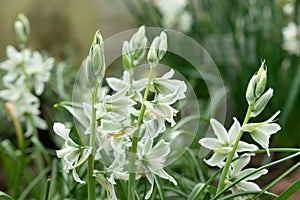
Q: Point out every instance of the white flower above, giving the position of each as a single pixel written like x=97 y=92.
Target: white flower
x=166 y=86
x=25 y=104
x=37 y=69
x=289 y=8
x=161 y=107
x=222 y=145
x=262 y=131
x=151 y=161
x=120 y=84
x=291 y=38
x=118 y=103
x=73 y=154
x=152 y=126
x=174 y=14
x=236 y=172
x=185 y=22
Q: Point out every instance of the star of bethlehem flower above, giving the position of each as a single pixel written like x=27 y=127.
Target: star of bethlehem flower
x=236 y=172
x=224 y=142
x=151 y=161
x=262 y=131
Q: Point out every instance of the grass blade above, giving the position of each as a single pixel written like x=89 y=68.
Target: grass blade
x=34 y=182
x=289 y=191
x=5 y=196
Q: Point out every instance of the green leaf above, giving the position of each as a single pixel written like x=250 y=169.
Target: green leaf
x=5 y=196
x=289 y=191
x=160 y=188
x=34 y=182
x=196 y=192
x=76 y=111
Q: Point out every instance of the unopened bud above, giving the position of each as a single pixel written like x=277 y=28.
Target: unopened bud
x=95 y=62
x=163 y=45
x=152 y=53
x=261 y=103
x=261 y=84
x=89 y=73
x=22 y=29
x=250 y=96
x=257 y=84
x=126 y=56
x=137 y=46
x=138 y=38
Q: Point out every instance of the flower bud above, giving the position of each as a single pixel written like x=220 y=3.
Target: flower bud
x=22 y=29
x=152 y=53
x=261 y=103
x=250 y=96
x=126 y=56
x=138 y=38
x=89 y=73
x=257 y=84
x=261 y=84
x=163 y=45
x=95 y=62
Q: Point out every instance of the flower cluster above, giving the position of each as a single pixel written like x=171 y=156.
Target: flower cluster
x=227 y=145
x=26 y=74
x=125 y=114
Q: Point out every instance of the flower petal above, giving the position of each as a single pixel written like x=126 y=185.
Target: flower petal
x=61 y=130
x=76 y=177
x=219 y=130
x=254 y=176
x=262 y=139
x=234 y=130
x=239 y=164
x=248 y=186
x=211 y=143
x=216 y=160
x=244 y=146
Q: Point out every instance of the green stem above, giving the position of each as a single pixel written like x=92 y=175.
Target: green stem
x=221 y=184
x=27 y=78
x=135 y=139
x=91 y=178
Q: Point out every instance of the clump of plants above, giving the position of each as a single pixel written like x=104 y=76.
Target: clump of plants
x=124 y=130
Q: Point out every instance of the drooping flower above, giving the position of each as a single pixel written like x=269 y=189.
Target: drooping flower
x=236 y=172
x=72 y=153
x=262 y=131
x=222 y=145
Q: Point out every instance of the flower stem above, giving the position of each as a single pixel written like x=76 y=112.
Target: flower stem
x=135 y=139
x=91 y=179
x=221 y=184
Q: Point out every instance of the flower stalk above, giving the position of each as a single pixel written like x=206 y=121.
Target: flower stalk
x=221 y=184
x=91 y=178
x=135 y=139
